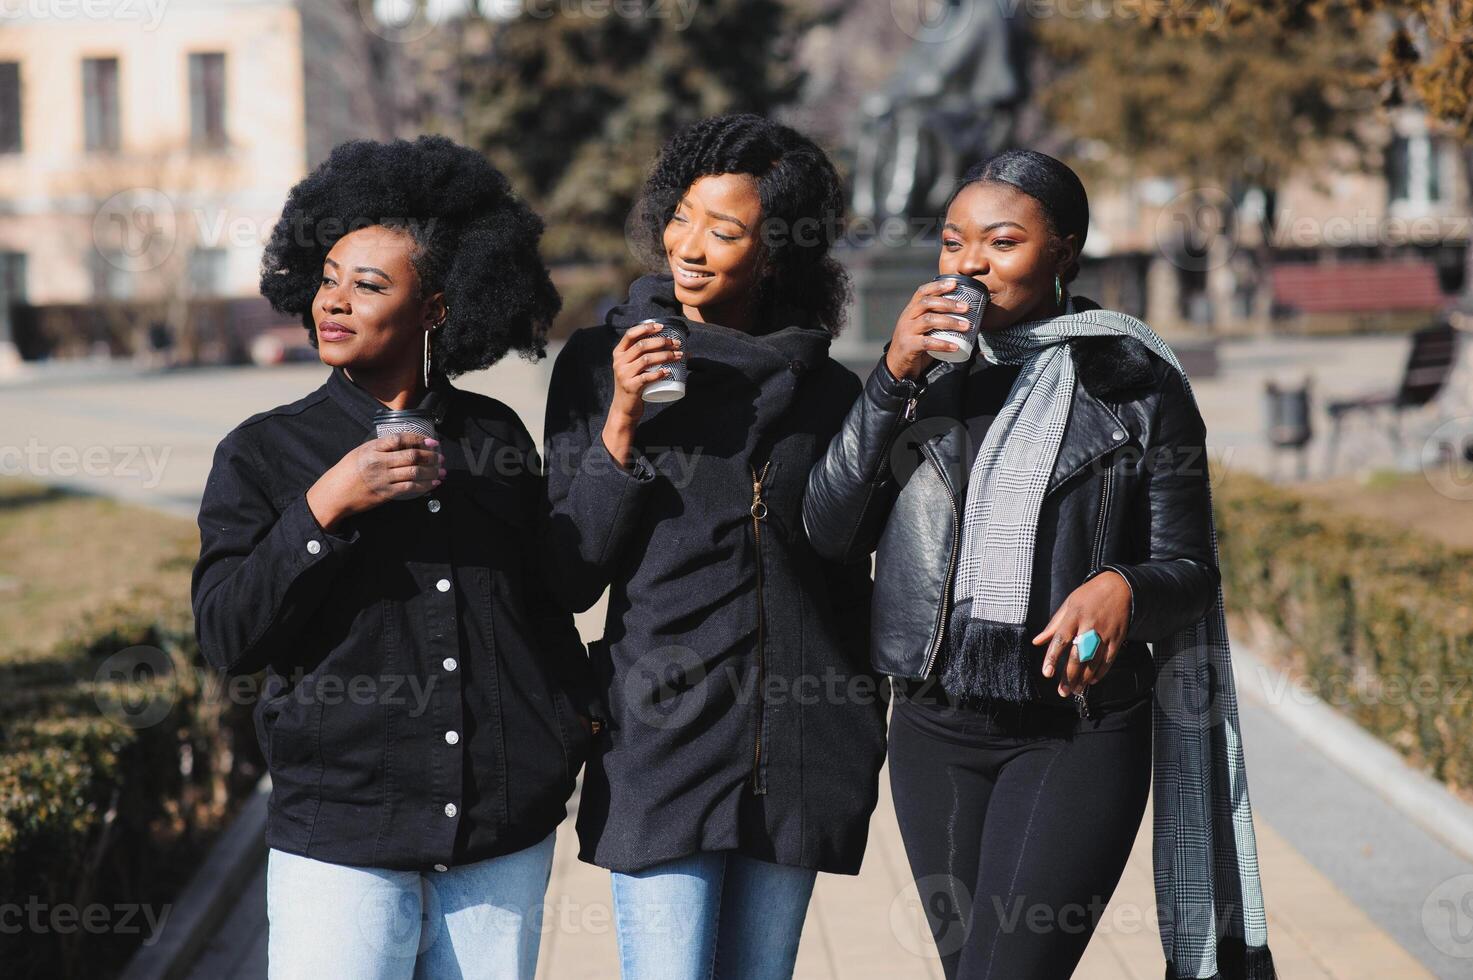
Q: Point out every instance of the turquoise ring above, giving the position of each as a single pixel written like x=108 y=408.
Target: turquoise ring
x=1087 y=642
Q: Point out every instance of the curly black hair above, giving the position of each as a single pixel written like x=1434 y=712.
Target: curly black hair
x=802 y=209
x=474 y=239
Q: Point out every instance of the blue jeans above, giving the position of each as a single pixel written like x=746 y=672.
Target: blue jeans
x=710 y=916
x=474 y=920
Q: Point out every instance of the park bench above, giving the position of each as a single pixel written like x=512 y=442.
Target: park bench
x=1429 y=363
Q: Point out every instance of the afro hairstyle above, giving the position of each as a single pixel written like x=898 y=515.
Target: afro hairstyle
x=474 y=240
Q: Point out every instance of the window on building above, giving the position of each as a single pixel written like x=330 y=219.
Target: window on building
x=9 y=107
x=207 y=100
x=1414 y=171
x=207 y=272
x=110 y=274
x=100 y=103
x=12 y=277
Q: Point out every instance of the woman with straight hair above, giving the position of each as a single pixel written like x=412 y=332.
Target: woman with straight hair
x=744 y=730
x=1052 y=517
x=421 y=718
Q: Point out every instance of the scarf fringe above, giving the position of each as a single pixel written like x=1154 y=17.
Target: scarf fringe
x=1236 y=961
x=987 y=660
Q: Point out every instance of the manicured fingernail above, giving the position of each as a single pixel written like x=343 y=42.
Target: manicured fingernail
x=442 y=471
x=435 y=483
x=432 y=442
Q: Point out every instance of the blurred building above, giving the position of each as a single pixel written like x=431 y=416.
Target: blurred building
x=1379 y=243
x=145 y=155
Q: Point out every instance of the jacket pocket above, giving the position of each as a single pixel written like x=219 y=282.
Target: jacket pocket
x=497 y=519
x=498 y=500
x=576 y=739
x=290 y=724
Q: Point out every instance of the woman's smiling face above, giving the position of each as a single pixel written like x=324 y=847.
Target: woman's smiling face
x=712 y=244
x=997 y=234
x=368 y=311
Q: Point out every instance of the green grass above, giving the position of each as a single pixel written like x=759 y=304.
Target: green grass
x=65 y=556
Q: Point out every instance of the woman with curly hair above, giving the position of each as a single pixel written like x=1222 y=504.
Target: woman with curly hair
x=744 y=731
x=421 y=720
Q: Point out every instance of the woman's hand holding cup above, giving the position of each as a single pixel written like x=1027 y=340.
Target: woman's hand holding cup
x=392 y=467
x=638 y=361
x=911 y=345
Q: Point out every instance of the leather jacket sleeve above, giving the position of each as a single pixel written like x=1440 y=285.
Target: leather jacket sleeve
x=1176 y=584
x=852 y=488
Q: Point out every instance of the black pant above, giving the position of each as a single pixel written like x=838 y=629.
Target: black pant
x=1017 y=825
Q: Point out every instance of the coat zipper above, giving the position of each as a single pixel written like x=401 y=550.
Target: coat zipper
x=759 y=514
x=956 y=534
x=1097 y=555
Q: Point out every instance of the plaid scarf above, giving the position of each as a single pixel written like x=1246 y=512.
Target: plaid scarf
x=1205 y=854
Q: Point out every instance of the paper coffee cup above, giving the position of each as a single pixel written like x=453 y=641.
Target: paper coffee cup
x=672 y=388
x=965 y=336
x=388 y=422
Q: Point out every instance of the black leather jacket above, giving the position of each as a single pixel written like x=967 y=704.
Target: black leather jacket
x=1128 y=492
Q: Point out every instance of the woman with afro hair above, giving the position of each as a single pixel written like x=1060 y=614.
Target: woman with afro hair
x=744 y=729
x=422 y=719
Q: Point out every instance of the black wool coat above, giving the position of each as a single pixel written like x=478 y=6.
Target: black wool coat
x=742 y=713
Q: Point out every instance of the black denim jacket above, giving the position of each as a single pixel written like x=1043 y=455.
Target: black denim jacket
x=420 y=705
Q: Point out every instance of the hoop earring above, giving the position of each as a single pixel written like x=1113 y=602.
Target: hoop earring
x=427 y=344
x=1058 y=290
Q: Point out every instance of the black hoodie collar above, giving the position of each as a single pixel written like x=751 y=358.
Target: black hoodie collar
x=362 y=406
x=791 y=339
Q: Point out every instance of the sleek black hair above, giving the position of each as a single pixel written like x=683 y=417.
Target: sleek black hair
x=1056 y=188
x=802 y=208
x=474 y=239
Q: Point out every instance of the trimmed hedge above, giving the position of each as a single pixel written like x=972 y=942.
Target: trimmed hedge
x=105 y=812
x=1377 y=620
